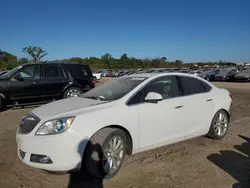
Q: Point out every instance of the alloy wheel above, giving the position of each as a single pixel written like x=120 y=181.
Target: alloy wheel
x=113 y=154
x=73 y=93
x=220 y=124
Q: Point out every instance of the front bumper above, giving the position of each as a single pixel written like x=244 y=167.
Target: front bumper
x=65 y=150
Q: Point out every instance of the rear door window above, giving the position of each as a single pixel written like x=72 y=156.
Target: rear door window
x=51 y=71
x=190 y=86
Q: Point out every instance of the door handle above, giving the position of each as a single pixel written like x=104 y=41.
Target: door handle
x=178 y=106
x=209 y=100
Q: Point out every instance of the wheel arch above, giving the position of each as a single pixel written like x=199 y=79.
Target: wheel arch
x=70 y=85
x=228 y=113
x=129 y=140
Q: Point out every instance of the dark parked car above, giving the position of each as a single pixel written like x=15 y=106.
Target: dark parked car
x=226 y=74
x=243 y=76
x=209 y=75
x=31 y=83
x=3 y=72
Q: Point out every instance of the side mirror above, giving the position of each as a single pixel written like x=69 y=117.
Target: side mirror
x=18 y=77
x=153 y=97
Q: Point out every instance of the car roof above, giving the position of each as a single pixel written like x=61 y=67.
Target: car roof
x=57 y=63
x=151 y=75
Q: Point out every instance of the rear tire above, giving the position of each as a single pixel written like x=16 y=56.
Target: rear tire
x=219 y=126
x=101 y=159
x=72 y=92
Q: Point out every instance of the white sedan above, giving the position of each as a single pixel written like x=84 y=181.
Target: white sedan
x=127 y=115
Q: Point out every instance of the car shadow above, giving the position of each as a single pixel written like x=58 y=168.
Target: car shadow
x=236 y=164
x=82 y=179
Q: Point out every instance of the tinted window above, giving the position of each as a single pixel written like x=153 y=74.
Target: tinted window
x=50 y=71
x=31 y=71
x=166 y=86
x=189 y=85
x=77 y=71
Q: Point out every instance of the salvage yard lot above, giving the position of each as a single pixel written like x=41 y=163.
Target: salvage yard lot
x=196 y=163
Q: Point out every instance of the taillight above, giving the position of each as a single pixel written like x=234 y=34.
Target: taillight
x=92 y=83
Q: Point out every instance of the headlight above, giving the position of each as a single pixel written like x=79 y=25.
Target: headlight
x=55 y=126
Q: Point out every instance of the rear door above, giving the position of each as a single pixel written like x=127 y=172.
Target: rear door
x=197 y=104
x=53 y=80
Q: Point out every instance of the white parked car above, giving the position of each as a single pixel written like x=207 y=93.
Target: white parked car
x=196 y=72
x=97 y=75
x=127 y=115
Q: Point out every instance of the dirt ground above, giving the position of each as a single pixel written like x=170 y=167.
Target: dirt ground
x=196 y=163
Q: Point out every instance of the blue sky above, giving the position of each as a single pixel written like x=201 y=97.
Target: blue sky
x=190 y=30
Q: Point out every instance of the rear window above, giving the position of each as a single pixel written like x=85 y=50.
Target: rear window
x=77 y=71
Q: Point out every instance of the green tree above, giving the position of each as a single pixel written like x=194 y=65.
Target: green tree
x=107 y=59
x=36 y=53
x=7 y=60
x=107 y=56
x=124 y=57
x=178 y=63
x=164 y=58
x=23 y=60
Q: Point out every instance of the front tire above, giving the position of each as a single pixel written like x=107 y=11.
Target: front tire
x=72 y=92
x=104 y=154
x=219 y=125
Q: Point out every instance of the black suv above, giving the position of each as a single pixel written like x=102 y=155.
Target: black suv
x=31 y=83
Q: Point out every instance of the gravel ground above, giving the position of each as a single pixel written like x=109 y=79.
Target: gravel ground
x=196 y=163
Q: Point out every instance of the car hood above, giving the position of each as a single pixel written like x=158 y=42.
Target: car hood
x=68 y=107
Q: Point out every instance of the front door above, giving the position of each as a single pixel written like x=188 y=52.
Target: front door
x=23 y=86
x=160 y=123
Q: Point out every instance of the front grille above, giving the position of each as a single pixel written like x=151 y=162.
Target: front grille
x=28 y=123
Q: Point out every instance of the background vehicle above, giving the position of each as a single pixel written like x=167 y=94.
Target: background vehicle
x=160 y=109
x=243 y=76
x=226 y=74
x=209 y=75
x=97 y=75
x=195 y=72
x=31 y=83
x=3 y=72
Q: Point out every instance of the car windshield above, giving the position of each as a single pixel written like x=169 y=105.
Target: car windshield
x=115 y=89
x=10 y=73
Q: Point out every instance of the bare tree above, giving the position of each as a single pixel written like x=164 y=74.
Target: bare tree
x=36 y=53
